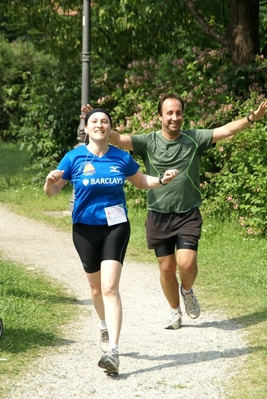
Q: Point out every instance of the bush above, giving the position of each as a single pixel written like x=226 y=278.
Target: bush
x=18 y=61
x=233 y=175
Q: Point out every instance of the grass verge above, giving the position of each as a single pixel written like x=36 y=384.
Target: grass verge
x=33 y=310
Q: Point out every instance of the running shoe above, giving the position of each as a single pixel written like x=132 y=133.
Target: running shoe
x=110 y=362
x=192 y=307
x=175 y=320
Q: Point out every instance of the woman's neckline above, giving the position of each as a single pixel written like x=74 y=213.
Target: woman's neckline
x=98 y=152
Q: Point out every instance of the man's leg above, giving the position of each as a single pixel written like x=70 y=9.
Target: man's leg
x=170 y=287
x=168 y=279
x=187 y=264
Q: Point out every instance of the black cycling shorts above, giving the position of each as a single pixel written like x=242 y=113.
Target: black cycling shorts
x=97 y=243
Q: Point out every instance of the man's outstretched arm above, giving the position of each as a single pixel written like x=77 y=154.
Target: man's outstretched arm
x=121 y=140
x=231 y=128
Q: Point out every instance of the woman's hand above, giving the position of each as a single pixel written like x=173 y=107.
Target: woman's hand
x=54 y=182
x=53 y=177
x=169 y=175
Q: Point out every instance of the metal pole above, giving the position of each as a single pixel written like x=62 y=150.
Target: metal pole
x=86 y=35
x=85 y=99
x=86 y=52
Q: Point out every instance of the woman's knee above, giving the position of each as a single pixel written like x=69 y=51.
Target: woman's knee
x=109 y=290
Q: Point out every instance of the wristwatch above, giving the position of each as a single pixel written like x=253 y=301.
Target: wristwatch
x=249 y=120
x=161 y=182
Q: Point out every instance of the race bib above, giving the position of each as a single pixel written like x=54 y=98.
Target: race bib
x=115 y=214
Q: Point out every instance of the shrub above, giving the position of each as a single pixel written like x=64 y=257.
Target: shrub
x=233 y=175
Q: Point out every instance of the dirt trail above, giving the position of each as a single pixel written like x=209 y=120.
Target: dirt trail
x=195 y=361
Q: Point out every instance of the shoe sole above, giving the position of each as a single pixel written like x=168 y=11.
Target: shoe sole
x=109 y=367
x=192 y=316
x=170 y=327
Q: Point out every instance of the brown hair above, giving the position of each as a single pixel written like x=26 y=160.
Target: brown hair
x=164 y=97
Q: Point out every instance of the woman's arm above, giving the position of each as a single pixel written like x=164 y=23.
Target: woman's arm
x=145 y=182
x=54 y=182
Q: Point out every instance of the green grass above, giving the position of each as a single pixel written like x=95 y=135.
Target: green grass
x=232 y=273
x=14 y=166
x=34 y=310
x=233 y=279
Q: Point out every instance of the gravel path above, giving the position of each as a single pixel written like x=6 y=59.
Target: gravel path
x=195 y=361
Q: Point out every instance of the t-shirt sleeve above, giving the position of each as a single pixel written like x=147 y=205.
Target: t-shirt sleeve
x=204 y=139
x=65 y=165
x=132 y=166
x=139 y=143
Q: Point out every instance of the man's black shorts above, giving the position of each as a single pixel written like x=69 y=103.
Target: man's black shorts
x=170 y=228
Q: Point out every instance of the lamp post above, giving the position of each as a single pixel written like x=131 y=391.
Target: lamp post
x=86 y=52
x=85 y=99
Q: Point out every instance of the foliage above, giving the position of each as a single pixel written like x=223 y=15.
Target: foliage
x=214 y=92
x=44 y=23
x=49 y=126
x=132 y=29
x=139 y=50
x=40 y=99
x=238 y=190
x=18 y=61
x=205 y=79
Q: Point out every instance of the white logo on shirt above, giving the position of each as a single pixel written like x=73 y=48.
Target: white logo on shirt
x=107 y=180
x=114 y=169
x=85 y=182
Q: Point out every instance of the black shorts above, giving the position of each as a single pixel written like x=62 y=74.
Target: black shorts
x=97 y=243
x=165 y=231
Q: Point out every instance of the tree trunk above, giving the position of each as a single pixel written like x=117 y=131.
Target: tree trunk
x=244 y=37
x=243 y=34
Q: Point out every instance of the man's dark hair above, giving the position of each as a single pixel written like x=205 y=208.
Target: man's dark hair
x=164 y=97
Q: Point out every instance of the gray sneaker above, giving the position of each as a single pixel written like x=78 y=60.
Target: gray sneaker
x=191 y=304
x=175 y=320
x=104 y=340
x=110 y=362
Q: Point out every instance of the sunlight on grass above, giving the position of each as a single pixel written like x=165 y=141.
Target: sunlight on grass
x=33 y=310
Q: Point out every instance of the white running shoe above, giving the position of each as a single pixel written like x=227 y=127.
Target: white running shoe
x=110 y=362
x=175 y=320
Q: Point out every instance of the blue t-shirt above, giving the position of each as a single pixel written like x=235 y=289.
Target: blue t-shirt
x=97 y=182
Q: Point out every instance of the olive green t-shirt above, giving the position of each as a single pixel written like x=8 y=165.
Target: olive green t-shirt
x=184 y=153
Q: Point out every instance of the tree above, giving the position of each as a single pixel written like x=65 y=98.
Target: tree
x=242 y=35
x=45 y=23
